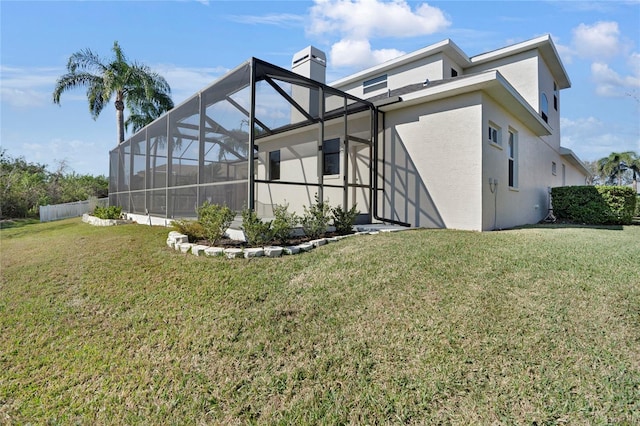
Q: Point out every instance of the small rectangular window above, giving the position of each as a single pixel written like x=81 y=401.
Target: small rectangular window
x=331 y=157
x=553 y=168
x=494 y=134
x=454 y=73
x=274 y=165
x=556 y=95
x=374 y=84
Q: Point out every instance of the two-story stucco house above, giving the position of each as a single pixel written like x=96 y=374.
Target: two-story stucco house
x=431 y=139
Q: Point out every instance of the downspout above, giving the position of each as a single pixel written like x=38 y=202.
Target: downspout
x=321 y=146
x=250 y=156
x=375 y=172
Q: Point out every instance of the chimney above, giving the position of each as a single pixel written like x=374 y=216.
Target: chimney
x=310 y=62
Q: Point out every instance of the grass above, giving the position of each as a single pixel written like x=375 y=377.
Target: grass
x=529 y=326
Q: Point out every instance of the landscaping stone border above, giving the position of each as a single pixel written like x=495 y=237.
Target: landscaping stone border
x=180 y=242
x=96 y=221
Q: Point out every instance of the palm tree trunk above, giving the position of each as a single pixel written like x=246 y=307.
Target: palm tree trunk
x=120 y=119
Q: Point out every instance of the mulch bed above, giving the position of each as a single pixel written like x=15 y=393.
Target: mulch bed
x=293 y=241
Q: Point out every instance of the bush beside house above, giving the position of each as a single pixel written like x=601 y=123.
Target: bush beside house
x=594 y=205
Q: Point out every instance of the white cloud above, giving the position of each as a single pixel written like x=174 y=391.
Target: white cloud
x=610 y=83
x=592 y=139
x=277 y=19
x=597 y=41
x=358 y=53
x=27 y=87
x=185 y=82
x=355 y=22
x=366 y=18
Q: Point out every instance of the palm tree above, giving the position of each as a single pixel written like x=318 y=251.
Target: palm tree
x=634 y=166
x=616 y=164
x=132 y=84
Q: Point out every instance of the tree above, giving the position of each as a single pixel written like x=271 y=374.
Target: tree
x=145 y=93
x=614 y=166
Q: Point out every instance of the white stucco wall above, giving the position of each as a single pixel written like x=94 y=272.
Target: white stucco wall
x=520 y=70
x=415 y=72
x=528 y=203
x=299 y=162
x=434 y=163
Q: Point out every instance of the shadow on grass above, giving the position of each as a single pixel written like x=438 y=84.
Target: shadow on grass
x=17 y=223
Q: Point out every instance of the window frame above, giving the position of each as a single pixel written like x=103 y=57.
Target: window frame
x=512 y=162
x=495 y=134
x=544 y=107
x=332 y=152
x=274 y=165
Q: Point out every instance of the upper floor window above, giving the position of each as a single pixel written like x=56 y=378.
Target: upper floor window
x=374 y=84
x=454 y=73
x=553 y=168
x=556 y=96
x=495 y=135
x=331 y=157
x=274 y=165
x=513 y=159
x=544 y=107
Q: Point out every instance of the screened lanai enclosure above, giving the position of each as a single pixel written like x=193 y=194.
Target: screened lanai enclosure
x=258 y=137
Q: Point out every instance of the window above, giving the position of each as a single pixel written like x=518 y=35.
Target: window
x=374 y=84
x=544 y=107
x=331 y=157
x=564 y=175
x=495 y=135
x=553 y=168
x=274 y=165
x=454 y=73
x=513 y=159
x=556 y=96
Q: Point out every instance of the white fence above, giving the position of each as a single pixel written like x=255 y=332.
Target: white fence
x=63 y=211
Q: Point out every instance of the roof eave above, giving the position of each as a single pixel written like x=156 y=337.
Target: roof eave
x=572 y=158
x=548 y=52
x=490 y=82
x=446 y=46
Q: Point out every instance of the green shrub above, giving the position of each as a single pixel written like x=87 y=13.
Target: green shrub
x=111 y=212
x=637 y=206
x=215 y=219
x=283 y=223
x=257 y=232
x=316 y=218
x=191 y=228
x=343 y=220
x=594 y=205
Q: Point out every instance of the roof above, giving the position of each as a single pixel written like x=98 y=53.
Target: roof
x=491 y=82
x=572 y=158
x=547 y=50
x=544 y=44
x=446 y=46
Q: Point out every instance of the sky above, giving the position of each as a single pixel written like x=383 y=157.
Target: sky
x=193 y=43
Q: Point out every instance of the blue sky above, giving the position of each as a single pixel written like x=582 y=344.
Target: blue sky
x=192 y=43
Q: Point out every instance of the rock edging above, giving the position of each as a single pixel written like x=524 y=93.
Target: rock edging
x=180 y=242
x=96 y=221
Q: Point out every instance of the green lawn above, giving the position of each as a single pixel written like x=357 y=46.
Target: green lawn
x=108 y=326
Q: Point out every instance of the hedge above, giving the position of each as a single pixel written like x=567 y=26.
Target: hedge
x=594 y=205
